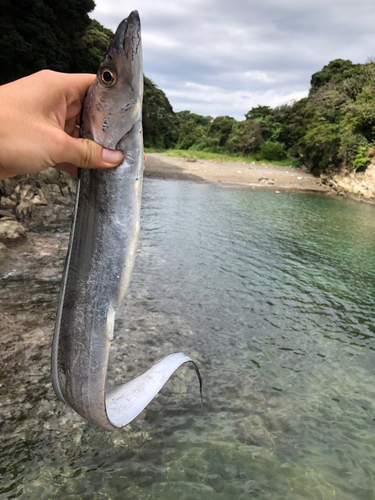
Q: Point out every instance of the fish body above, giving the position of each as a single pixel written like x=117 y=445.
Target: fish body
x=102 y=247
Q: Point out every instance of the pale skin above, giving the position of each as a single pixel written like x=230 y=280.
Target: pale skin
x=39 y=126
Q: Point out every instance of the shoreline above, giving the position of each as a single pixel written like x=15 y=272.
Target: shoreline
x=232 y=174
x=357 y=186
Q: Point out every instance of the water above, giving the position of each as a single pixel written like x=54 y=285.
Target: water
x=273 y=296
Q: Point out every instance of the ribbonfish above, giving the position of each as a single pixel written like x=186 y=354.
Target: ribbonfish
x=102 y=247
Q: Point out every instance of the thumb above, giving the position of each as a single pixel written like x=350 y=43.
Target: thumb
x=85 y=153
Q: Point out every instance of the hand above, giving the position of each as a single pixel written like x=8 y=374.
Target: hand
x=39 y=126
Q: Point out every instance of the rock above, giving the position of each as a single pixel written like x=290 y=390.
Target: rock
x=7 y=202
x=11 y=231
x=52 y=191
x=66 y=191
x=39 y=198
x=3 y=249
x=24 y=192
x=350 y=182
x=7 y=187
x=216 y=482
x=6 y=213
x=24 y=210
x=49 y=176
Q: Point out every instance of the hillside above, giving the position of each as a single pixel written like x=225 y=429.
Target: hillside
x=62 y=37
x=330 y=129
x=331 y=132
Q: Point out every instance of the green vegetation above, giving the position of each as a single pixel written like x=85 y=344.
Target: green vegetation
x=221 y=157
x=332 y=127
x=160 y=124
x=41 y=34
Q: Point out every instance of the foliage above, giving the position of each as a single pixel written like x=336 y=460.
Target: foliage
x=361 y=160
x=321 y=145
x=96 y=40
x=245 y=137
x=272 y=151
x=40 y=34
x=333 y=126
x=223 y=157
x=350 y=146
x=160 y=123
x=332 y=71
x=184 y=116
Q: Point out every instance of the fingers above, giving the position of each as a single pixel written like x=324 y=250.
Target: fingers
x=70 y=126
x=75 y=85
x=73 y=170
x=85 y=153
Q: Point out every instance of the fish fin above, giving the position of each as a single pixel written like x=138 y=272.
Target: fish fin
x=125 y=402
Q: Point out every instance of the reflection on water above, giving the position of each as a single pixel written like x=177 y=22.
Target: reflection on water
x=273 y=295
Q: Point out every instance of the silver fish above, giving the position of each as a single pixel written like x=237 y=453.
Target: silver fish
x=102 y=247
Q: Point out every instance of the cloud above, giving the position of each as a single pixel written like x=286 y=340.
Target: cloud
x=216 y=101
x=223 y=57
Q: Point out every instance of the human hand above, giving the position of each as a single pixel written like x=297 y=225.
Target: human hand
x=39 y=126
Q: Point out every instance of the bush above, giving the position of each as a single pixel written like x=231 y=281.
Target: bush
x=321 y=145
x=361 y=160
x=245 y=137
x=272 y=151
x=351 y=145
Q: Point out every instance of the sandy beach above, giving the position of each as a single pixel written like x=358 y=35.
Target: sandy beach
x=232 y=173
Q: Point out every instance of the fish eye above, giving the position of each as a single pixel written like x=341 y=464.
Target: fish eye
x=107 y=77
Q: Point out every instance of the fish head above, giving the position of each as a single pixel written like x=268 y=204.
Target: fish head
x=113 y=103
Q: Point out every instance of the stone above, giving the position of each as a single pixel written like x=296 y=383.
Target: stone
x=49 y=176
x=39 y=198
x=24 y=210
x=6 y=202
x=52 y=190
x=6 y=213
x=216 y=482
x=3 y=248
x=11 y=231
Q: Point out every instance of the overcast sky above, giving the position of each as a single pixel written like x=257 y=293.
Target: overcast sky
x=223 y=57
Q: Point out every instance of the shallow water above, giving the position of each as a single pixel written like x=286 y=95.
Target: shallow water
x=273 y=296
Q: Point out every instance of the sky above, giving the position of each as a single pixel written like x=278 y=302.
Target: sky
x=223 y=57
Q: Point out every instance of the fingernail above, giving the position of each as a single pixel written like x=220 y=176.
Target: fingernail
x=112 y=156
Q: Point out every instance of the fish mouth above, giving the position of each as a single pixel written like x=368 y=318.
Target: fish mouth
x=130 y=25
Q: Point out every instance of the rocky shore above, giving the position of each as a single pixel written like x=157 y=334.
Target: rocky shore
x=33 y=203
x=358 y=185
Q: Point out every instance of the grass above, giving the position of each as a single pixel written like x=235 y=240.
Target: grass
x=154 y=150
x=222 y=157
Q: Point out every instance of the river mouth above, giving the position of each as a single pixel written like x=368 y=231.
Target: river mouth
x=272 y=294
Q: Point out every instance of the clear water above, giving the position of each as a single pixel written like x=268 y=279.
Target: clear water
x=273 y=295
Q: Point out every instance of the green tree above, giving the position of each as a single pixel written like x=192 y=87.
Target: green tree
x=331 y=71
x=245 y=137
x=39 y=34
x=160 y=123
x=219 y=132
